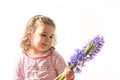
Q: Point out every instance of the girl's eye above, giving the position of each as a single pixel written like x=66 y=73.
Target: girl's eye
x=51 y=37
x=44 y=35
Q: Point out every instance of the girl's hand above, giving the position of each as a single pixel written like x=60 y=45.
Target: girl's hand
x=69 y=74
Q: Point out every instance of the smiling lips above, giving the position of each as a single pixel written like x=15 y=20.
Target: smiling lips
x=45 y=45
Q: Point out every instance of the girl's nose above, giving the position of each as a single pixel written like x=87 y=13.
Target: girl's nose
x=47 y=39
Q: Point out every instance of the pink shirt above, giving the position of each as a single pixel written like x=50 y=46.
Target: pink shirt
x=40 y=68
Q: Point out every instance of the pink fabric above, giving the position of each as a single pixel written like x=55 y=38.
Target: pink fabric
x=40 y=68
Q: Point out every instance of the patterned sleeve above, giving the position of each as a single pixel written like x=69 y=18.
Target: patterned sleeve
x=18 y=74
x=60 y=63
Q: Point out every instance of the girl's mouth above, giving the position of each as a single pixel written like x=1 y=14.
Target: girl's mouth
x=45 y=45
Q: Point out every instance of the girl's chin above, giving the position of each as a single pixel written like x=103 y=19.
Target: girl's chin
x=44 y=49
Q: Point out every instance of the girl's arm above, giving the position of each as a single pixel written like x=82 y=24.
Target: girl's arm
x=18 y=74
x=60 y=66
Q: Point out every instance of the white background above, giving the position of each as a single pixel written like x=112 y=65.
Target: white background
x=76 y=21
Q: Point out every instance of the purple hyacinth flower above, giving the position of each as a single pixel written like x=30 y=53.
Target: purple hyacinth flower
x=87 y=53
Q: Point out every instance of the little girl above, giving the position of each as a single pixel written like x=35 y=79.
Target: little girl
x=39 y=59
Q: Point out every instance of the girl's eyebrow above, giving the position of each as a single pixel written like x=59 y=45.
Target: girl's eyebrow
x=47 y=33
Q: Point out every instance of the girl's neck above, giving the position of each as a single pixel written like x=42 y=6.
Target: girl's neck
x=37 y=53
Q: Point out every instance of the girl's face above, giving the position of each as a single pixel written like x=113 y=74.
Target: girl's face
x=42 y=38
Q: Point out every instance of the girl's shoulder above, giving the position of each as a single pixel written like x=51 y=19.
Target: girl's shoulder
x=57 y=56
x=21 y=56
x=56 y=53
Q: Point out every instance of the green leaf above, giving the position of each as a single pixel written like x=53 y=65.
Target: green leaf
x=89 y=48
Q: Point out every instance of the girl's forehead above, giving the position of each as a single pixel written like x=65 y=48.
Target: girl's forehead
x=45 y=28
x=42 y=23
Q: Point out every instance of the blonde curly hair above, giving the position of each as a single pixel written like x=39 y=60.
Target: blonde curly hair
x=31 y=27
